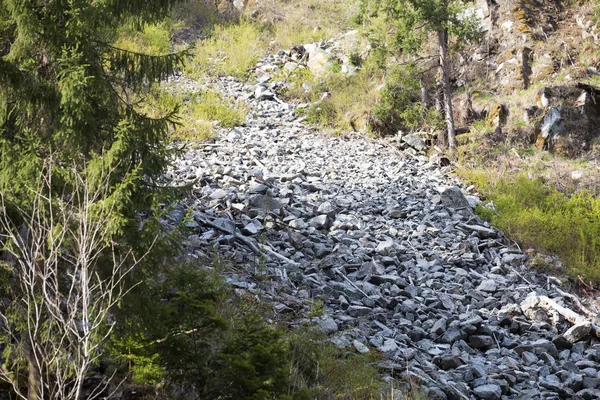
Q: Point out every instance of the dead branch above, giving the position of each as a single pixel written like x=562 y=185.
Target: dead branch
x=257 y=248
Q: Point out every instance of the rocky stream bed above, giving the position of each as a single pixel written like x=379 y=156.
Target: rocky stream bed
x=387 y=239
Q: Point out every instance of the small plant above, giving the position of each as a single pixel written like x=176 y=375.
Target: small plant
x=355 y=59
x=317 y=309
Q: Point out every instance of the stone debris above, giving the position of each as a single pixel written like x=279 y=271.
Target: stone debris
x=389 y=244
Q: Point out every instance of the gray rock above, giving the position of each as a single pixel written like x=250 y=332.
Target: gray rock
x=258 y=189
x=415 y=142
x=481 y=341
x=488 y=392
x=358 y=311
x=361 y=348
x=381 y=279
x=218 y=194
x=225 y=224
x=252 y=228
x=453 y=198
x=389 y=346
x=439 y=327
x=266 y=202
x=451 y=336
x=487 y=286
x=589 y=394
x=328 y=325
x=384 y=247
x=590 y=382
x=319 y=222
x=326 y=208
x=529 y=358
x=263 y=93
x=482 y=231
x=578 y=332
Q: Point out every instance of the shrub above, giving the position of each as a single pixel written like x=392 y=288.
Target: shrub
x=399 y=106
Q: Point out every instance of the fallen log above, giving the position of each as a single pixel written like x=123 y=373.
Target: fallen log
x=582 y=326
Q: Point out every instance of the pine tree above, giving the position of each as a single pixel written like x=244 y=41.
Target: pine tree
x=67 y=110
x=415 y=22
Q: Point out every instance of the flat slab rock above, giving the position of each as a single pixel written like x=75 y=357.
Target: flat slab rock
x=388 y=242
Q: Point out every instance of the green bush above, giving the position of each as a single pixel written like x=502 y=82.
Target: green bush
x=546 y=219
x=399 y=106
x=171 y=334
x=187 y=333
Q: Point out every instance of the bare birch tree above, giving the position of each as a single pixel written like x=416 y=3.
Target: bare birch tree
x=57 y=316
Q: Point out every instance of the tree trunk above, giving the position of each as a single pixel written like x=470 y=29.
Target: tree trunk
x=34 y=382
x=449 y=117
x=439 y=107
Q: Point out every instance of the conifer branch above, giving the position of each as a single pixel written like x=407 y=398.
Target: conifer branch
x=138 y=68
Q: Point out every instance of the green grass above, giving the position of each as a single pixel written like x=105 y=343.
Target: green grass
x=199 y=113
x=231 y=50
x=153 y=39
x=545 y=219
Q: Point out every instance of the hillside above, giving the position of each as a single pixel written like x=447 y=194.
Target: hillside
x=293 y=200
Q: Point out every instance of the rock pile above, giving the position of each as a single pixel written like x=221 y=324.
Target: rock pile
x=390 y=244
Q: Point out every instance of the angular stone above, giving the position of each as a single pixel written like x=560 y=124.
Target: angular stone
x=481 y=341
x=384 y=247
x=439 y=326
x=488 y=285
x=263 y=93
x=225 y=224
x=414 y=141
x=361 y=348
x=578 y=332
x=389 y=346
x=258 y=189
x=451 y=336
x=326 y=208
x=448 y=361
x=218 y=194
x=488 y=392
x=266 y=202
x=482 y=231
x=529 y=358
x=328 y=325
x=381 y=279
x=252 y=228
x=452 y=197
x=319 y=222
x=359 y=311
x=590 y=382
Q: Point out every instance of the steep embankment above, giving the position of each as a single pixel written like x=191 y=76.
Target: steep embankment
x=390 y=245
